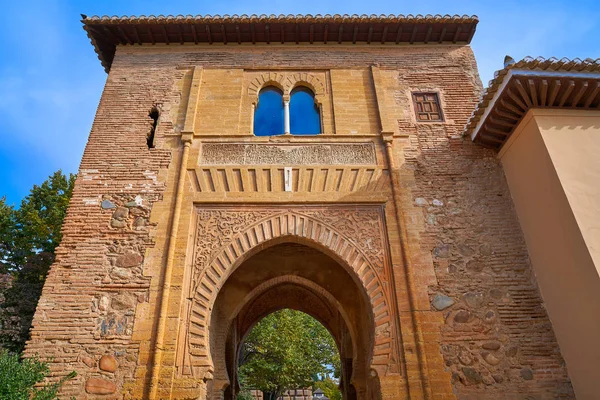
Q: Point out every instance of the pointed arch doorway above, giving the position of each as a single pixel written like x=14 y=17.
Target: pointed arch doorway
x=298 y=277
x=328 y=262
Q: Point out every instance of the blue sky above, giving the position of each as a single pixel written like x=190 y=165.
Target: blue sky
x=51 y=80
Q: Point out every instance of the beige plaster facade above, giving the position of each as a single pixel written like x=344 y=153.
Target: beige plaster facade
x=552 y=166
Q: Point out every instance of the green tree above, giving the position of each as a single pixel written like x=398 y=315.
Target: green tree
x=28 y=237
x=18 y=377
x=330 y=388
x=7 y=223
x=287 y=350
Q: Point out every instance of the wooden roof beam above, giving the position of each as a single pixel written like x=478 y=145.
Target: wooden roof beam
x=566 y=93
x=582 y=90
x=516 y=99
x=490 y=138
x=180 y=33
x=523 y=93
x=209 y=34
x=592 y=95
x=507 y=115
x=340 y=33
x=510 y=107
x=399 y=33
x=533 y=91
x=112 y=35
x=194 y=34
x=442 y=35
x=355 y=34
x=166 y=35
x=455 y=38
x=253 y=33
x=414 y=34
x=282 y=34
x=554 y=89
x=384 y=34
x=500 y=122
x=311 y=33
x=428 y=35
x=238 y=35
x=495 y=131
x=151 y=35
x=297 y=33
x=122 y=33
x=370 y=35
x=268 y=33
x=101 y=38
x=543 y=92
x=325 y=32
x=471 y=33
x=224 y=34
x=137 y=35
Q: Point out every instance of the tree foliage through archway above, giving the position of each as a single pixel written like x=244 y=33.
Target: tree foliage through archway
x=287 y=350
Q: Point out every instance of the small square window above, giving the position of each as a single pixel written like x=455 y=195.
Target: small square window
x=427 y=107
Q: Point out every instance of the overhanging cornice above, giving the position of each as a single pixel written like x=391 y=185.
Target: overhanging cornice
x=532 y=83
x=106 y=33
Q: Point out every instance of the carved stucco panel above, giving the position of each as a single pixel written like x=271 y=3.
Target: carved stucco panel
x=225 y=235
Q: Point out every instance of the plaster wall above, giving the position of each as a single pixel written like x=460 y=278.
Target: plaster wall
x=552 y=168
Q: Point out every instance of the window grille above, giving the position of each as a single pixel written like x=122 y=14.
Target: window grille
x=427 y=107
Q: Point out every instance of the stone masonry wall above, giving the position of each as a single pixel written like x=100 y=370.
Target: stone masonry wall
x=496 y=337
x=84 y=319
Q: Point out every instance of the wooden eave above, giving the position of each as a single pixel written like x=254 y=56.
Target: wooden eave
x=106 y=33
x=532 y=83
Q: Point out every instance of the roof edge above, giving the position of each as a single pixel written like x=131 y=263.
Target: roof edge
x=531 y=83
x=106 y=33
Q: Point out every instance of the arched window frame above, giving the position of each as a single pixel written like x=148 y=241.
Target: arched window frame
x=287 y=86
x=317 y=99
x=257 y=98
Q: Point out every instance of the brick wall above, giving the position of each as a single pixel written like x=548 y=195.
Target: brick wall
x=86 y=308
x=496 y=340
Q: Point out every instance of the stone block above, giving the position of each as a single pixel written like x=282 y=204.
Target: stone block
x=108 y=363
x=100 y=386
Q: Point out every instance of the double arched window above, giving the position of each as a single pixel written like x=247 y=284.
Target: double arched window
x=276 y=116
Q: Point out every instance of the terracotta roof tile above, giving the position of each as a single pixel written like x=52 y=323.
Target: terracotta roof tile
x=106 y=33
x=543 y=65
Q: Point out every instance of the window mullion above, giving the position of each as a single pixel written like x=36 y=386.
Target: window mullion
x=286 y=116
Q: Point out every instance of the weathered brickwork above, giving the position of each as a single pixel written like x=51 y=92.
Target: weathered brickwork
x=496 y=339
x=461 y=316
x=88 y=303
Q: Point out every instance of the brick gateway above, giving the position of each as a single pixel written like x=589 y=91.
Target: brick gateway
x=395 y=232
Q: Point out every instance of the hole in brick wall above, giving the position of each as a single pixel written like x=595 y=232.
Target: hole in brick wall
x=154 y=115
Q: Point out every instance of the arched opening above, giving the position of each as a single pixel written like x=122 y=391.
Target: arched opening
x=269 y=115
x=298 y=277
x=288 y=353
x=305 y=118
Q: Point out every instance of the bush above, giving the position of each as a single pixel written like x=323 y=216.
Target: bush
x=18 y=378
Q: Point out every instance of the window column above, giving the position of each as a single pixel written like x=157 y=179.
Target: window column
x=286 y=114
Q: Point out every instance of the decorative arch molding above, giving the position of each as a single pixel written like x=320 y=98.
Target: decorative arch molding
x=274 y=295
x=304 y=79
x=352 y=235
x=329 y=310
x=286 y=82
